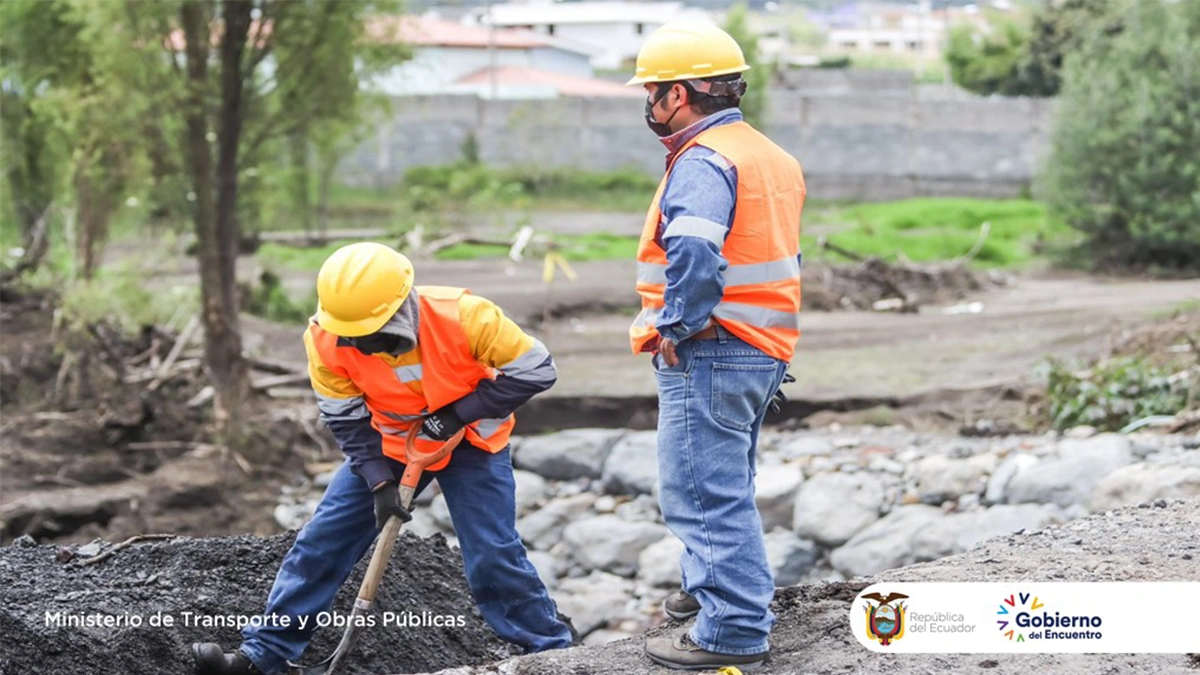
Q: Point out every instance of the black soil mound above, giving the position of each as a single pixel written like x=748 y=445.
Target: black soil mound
x=216 y=578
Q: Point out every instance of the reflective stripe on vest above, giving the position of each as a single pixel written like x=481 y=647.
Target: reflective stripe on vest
x=762 y=282
x=447 y=372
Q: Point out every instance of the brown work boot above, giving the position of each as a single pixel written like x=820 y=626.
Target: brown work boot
x=680 y=653
x=682 y=605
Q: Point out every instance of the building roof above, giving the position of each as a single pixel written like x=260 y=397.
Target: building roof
x=424 y=31
x=566 y=85
x=543 y=13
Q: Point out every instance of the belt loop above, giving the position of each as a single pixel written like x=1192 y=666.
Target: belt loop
x=722 y=334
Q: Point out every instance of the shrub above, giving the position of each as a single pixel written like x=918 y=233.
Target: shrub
x=1115 y=393
x=1124 y=168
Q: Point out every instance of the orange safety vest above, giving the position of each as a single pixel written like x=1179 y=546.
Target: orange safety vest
x=762 y=282
x=447 y=372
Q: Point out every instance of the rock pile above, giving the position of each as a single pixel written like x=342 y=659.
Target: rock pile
x=836 y=503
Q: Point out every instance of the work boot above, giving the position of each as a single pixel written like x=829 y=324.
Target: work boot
x=211 y=659
x=681 y=653
x=681 y=605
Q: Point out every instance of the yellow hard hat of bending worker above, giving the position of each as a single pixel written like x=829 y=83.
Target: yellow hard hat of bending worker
x=686 y=50
x=360 y=287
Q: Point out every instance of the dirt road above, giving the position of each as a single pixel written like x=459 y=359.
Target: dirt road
x=842 y=354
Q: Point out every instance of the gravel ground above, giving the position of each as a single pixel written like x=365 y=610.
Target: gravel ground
x=1154 y=542
x=219 y=577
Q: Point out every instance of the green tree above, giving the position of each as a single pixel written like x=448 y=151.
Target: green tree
x=1023 y=56
x=988 y=63
x=758 y=78
x=197 y=90
x=1123 y=167
x=37 y=147
x=1055 y=31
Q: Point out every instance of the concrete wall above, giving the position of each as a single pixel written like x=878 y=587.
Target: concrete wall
x=852 y=146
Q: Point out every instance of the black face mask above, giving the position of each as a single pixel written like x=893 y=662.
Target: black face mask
x=660 y=128
x=376 y=343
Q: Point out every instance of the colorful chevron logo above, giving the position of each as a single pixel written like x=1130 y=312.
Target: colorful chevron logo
x=1009 y=608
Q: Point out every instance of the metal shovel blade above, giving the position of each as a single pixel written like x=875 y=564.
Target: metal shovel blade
x=330 y=665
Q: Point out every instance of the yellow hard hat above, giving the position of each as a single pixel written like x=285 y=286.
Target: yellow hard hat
x=685 y=50
x=360 y=287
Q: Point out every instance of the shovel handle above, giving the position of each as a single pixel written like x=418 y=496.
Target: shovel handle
x=386 y=541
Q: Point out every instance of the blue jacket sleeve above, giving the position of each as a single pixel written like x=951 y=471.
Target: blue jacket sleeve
x=361 y=443
x=698 y=208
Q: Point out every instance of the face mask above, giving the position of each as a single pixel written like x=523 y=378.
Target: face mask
x=660 y=128
x=376 y=343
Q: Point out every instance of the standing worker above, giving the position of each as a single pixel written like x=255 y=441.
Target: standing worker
x=385 y=356
x=719 y=275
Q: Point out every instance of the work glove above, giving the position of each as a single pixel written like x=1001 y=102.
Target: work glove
x=387 y=504
x=442 y=423
x=780 y=398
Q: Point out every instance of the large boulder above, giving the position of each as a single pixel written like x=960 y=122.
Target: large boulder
x=806 y=446
x=542 y=529
x=441 y=513
x=593 y=601
x=791 y=558
x=1071 y=476
x=1005 y=519
x=422 y=524
x=632 y=466
x=775 y=487
x=941 y=478
x=1163 y=477
x=886 y=543
x=940 y=539
x=610 y=543
x=567 y=455
x=531 y=490
x=548 y=567
x=997 y=485
x=658 y=563
x=831 y=507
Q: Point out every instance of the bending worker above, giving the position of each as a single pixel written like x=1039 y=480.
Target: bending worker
x=384 y=356
x=719 y=276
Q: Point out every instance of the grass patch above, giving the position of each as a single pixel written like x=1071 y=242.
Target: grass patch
x=576 y=248
x=928 y=230
x=305 y=258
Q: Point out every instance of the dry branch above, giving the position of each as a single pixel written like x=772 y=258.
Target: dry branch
x=121 y=546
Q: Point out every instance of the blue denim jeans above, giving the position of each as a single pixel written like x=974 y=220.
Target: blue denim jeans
x=710 y=409
x=480 y=494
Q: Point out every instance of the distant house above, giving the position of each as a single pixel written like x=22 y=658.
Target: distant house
x=502 y=63
x=916 y=28
x=616 y=30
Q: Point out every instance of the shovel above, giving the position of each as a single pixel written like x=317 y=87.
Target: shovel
x=384 y=543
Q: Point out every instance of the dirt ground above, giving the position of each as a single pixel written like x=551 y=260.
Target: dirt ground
x=812 y=635
x=86 y=453
x=215 y=578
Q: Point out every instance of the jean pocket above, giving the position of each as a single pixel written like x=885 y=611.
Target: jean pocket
x=739 y=392
x=662 y=369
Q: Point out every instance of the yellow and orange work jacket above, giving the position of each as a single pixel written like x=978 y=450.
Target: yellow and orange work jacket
x=762 y=283
x=399 y=390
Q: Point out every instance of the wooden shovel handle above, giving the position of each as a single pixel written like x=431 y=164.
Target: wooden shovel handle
x=386 y=541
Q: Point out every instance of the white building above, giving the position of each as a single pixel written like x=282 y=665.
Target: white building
x=502 y=63
x=616 y=30
x=916 y=28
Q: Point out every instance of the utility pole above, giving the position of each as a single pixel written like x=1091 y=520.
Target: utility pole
x=491 y=51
